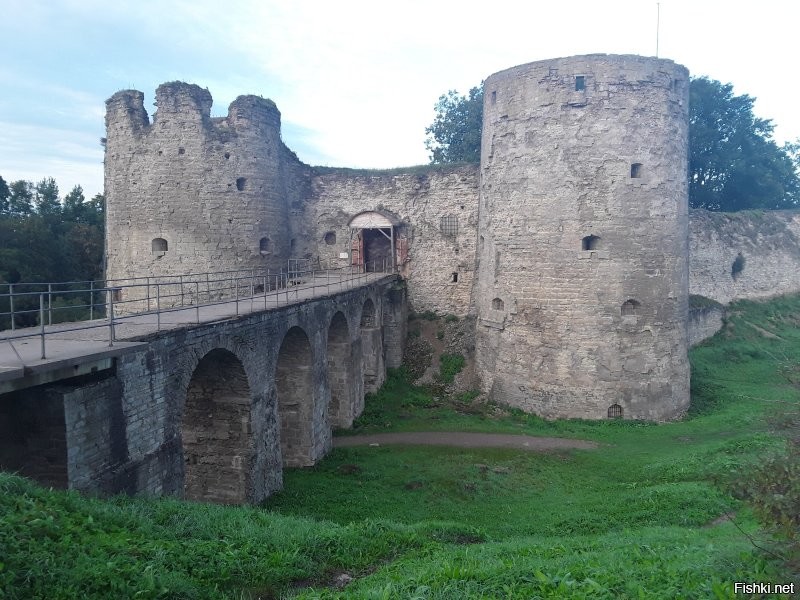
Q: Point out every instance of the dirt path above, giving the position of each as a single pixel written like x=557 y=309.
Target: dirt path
x=464 y=440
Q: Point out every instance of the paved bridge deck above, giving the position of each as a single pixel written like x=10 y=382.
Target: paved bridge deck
x=81 y=347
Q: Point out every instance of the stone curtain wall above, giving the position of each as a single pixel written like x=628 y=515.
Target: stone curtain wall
x=768 y=242
x=582 y=275
x=420 y=201
x=704 y=322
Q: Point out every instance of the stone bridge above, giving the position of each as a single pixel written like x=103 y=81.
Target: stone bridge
x=214 y=410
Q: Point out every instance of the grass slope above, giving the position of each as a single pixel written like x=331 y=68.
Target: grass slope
x=634 y=519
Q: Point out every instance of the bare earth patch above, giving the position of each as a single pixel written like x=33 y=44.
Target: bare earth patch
x=462 y=439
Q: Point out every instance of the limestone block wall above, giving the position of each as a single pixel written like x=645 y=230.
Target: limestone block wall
x=704 y=322
x=438 y=264
x=768 y=243
x=190 y=193
x=582 y=282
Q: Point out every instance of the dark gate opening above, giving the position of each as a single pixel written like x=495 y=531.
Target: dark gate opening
x=377 y=250
x=372 y=237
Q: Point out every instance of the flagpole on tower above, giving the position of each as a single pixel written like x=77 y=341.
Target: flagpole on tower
x=658 y=24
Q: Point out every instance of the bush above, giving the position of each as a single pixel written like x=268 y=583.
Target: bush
x=773 y=490
x=451 y=364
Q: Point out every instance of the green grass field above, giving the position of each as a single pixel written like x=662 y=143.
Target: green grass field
x=643 y=516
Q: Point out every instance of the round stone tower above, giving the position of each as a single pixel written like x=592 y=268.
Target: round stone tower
x=582 y=286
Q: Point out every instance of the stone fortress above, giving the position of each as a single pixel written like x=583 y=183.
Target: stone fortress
x=570 y=244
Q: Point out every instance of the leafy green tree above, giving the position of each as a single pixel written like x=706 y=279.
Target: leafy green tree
x=21 y=198
x=5 y=193
x=29 y=251
x=96 y=210
x=455 y=134
x=84 y=250
x=46 y=197
x=49 y=244
x=75 y=209
x=734 y=163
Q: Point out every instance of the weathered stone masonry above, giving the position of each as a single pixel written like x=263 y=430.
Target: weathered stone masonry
x=190 y=193
x=569 y=242
x=214 y=411
x=582 y=264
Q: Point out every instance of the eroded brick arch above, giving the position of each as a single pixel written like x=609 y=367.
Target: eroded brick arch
x=216 y=431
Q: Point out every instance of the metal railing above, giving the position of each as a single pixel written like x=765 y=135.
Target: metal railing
x=116 y=301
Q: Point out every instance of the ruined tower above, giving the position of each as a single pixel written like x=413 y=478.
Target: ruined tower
x=189 y=193
x=582 y=285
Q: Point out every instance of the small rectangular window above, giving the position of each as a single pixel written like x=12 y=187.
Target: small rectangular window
x=580 y=83
x=494 y=97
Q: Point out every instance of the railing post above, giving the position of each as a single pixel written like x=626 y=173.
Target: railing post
x=148 y=293
x=197 y=300
x=41 y=322
x=252 y=288
x=11 y=303
x=181 y=282
x=49 y=303
x=110 y=317
x=237 y=295
x=158 y=306
x=265 y=292
x=91 y=300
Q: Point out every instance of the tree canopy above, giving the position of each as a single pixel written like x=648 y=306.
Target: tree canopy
x=45 y=239
x=455 y=134
x=734 y=163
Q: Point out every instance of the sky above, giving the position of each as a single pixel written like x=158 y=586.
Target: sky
x=356 y=81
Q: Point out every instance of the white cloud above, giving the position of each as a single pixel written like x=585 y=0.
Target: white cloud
x=356 y=80
x=33 y=152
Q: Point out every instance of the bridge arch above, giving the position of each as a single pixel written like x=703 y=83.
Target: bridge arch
x=371 y=347
x=340 y=373
x=368 y=314
x=216 y=430
x=294 y=383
